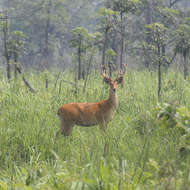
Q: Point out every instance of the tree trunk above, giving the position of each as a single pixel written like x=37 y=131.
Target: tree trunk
x=83 y=72
x=165 y=63
x=115 y=47
x=105 y=46
x=159 y=78
x=6 y=51
x=122 y=41
x=47 y=82
x=15 y=72
x=159 y=73
x=88 y=71
x=8 y=70
x=185 y=66
x=122 y=44
x=148 y=37
x=46 y=45
x=110 y=69
x=79 y=60
x=25 y=81
x=15 y=62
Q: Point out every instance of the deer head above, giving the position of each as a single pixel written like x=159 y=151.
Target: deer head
x=114 y=83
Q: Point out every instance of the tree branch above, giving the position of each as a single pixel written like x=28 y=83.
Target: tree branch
x=25 y=81
x=173 y=3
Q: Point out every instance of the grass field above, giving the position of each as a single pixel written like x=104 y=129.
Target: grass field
x=148 y=140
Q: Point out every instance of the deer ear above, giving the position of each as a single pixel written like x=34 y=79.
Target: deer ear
x=119 y=80
x=107 y=80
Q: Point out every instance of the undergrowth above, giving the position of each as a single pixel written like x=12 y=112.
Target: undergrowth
x=148 y=140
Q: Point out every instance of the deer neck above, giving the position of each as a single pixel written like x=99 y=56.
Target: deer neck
x=113 y=99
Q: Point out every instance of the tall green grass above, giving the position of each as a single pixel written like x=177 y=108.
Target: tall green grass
x=140 y=154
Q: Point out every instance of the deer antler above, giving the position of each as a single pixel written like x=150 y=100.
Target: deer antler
x=106 y=78
x=121 y=74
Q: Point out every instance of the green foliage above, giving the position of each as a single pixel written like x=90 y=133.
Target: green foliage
x=157 y=32
x=187 y=20
x=171 y=116
x=166 y=115
x=17 y=41
x=183 y=39
x=110 y=55
x=176 y=119
x=81 y=35
x=166 y=15
x=184 y=145
x=106 y=12
x=106 y=18
x=84 y=42
x=124 y=6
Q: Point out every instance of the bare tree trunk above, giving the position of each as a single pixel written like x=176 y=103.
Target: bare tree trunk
x=105 y=46
x=159 y=78
x=79 y=60
x=46 y=48
x=110 y=69
x=57 y=78
x=115 y=46
x=159 y=73
x=25 y=81
x=163 y=55
x=60 y=87
x=47 y=83
x=185 y=66
x=148 y=37
x=45 y=58
x=15 y=62
x=122 y=44
x=88 y=71
x=8 y=70
x=75 y=85
x=122 y=41
x=83 y=72
x=6 y=51
x=15 y=71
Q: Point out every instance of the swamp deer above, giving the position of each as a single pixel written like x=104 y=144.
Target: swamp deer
x=90 y=114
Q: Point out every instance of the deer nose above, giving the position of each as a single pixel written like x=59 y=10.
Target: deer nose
x=114 y=89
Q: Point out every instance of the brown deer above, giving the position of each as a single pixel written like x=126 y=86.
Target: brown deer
x=90 y=114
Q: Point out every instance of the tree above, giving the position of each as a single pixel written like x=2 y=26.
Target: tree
x=149 y=17
x=81 y=40
x=4 y=25
x=182 y=46
x=17 y=40
x=110 y=57
x=106 y=26
x=160 y=13
x=43 y=21
x=158 y=34
x=123 y=7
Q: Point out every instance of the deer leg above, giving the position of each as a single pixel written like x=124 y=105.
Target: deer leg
x=103 y=127
x=67 y=129
x=60 y=131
